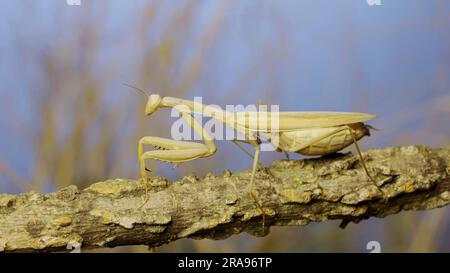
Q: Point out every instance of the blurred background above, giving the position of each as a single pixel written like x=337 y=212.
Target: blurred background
x=67 y=119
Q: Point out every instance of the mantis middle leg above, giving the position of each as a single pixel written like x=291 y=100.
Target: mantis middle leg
x=256 y=145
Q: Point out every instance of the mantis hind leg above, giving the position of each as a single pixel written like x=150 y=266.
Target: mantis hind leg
x=363 y=162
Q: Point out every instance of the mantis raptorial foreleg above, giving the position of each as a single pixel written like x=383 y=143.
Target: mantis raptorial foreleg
x=168 y=150
x=175 y=151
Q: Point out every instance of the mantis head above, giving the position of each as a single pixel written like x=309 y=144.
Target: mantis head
x=153 y=101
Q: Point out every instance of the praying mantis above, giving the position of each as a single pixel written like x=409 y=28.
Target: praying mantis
x=306 y=133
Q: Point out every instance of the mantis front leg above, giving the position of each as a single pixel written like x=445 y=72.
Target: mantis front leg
x=169 y=150
x=175 y=151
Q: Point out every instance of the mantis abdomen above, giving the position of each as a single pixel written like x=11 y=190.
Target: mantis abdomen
x=321 y=140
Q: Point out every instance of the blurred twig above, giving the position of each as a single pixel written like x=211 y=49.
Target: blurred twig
x=15 y=178
x=425 y=238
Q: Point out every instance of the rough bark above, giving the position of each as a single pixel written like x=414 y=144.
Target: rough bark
x=293 y=192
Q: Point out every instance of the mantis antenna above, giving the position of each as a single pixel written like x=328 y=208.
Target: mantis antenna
x=143 y=92
x=136 y=88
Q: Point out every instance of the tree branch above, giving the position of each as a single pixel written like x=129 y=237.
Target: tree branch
x=293 y=192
